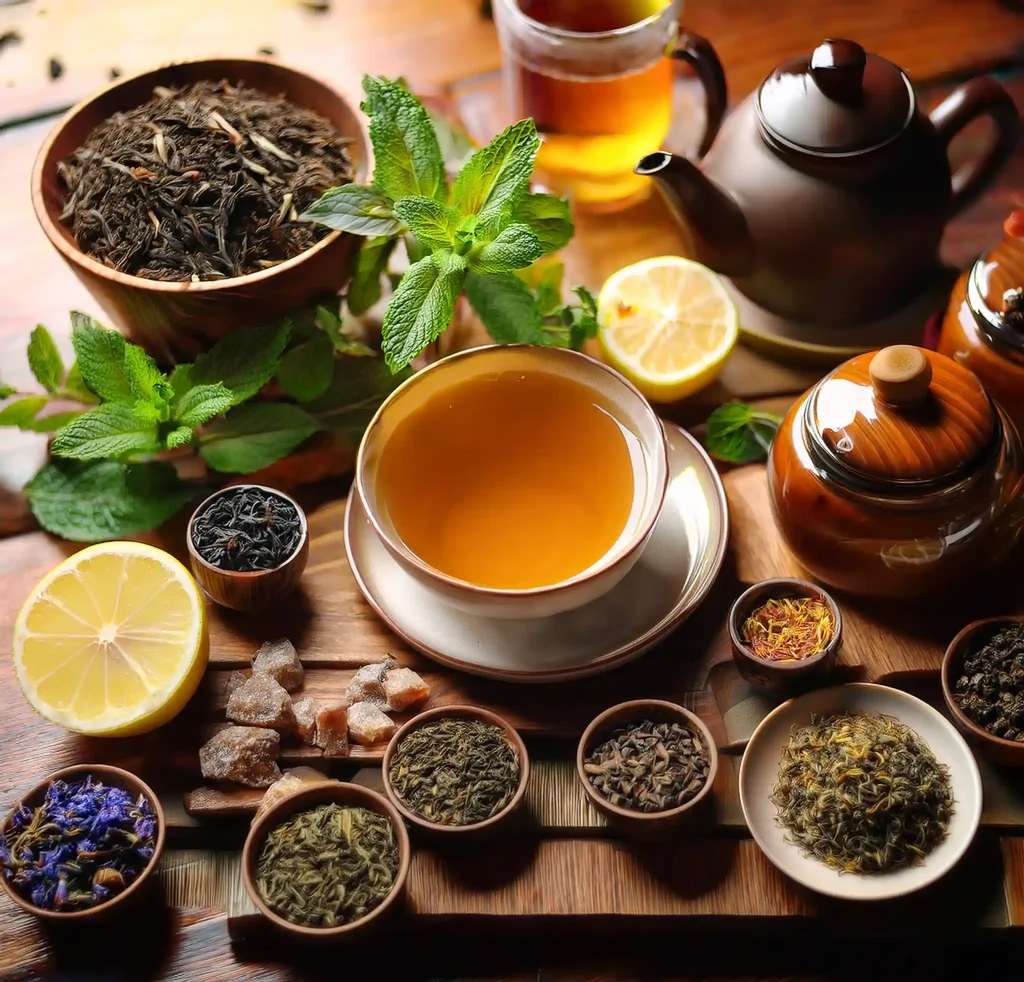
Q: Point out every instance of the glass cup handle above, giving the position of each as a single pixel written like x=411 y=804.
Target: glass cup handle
x=698 y=53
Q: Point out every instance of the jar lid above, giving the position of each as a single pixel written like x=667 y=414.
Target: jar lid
x=902 y=417
x=840 y=100
x=995 y=287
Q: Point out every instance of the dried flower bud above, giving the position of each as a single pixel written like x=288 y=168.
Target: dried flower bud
x=108 y=878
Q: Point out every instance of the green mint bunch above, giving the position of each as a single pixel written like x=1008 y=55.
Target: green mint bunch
x=471 y=236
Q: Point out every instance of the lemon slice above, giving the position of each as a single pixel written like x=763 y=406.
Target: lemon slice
x=667 y=324
x=113 y=642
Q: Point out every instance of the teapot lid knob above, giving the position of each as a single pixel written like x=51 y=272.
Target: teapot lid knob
x=838 y=69
x=900 y=375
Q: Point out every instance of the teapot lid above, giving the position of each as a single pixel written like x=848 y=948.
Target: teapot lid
x=840 y=100
x=902 y=419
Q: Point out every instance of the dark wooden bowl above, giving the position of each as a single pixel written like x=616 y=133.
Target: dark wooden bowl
x=782 y=677
x=1008 y=753
x=115 y=777
x=458 y=833
x=331 y=792
x=177 y=320
x=647 y=825
x=249 y=591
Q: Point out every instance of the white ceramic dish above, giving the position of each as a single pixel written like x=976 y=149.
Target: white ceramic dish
x=759 y=772
x=672 y=576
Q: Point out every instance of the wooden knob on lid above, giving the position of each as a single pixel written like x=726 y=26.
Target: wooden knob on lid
x=900 y=375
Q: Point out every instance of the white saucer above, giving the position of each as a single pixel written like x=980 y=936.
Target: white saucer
x=674 y=574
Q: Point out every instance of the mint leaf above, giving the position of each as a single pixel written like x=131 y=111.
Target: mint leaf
x=44 y=359
x=549 y=217
x=422 y=306
x=179 y=437
x=432 y=223
x=100 y=355
x=405 y=148
x=105 y=499
x=6 y=390
x=497 y=177
x=739 y=434
x=344 y=332
x=506 y=307
x=254 y=436
x=455 y=143
x=515 y=247
x=353 y=208
x=53 y=422
x=201 y=403
x=305 y=371
x=365 y=288
x=545 y=277
x=75 y=387
x=245 y=360
x=22 y=412
x=110 y=430
x=147 y=382
x=358 y=388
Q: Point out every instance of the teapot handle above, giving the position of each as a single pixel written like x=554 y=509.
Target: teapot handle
x=698 y=53
x=979 y=97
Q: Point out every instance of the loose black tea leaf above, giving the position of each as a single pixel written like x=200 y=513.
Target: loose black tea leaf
x=203 y=182
x=862 y=794
x=649 y=767
x=328 y=866
x=247 y=529
x=455 y=771
x=990 y=689
x=56 y=68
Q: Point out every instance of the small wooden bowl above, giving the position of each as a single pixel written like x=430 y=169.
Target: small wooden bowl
x=249 y=591
x=1008 y=753
x=646 y=825
x=782 y=677
x=114 y=777
x=458 y=832
x=331 y=792
x=177 y=320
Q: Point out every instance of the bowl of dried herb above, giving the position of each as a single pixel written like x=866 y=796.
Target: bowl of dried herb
x=328 y=863
x=175 y=197
x=81 y=844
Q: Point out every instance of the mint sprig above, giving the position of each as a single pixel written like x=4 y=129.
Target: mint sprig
x=739 y=434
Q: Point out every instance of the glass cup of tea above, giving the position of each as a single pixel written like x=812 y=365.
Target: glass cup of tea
x=596 y=76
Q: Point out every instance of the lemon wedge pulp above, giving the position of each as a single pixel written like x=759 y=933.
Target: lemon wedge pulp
x=113 y=642
x=668 y=324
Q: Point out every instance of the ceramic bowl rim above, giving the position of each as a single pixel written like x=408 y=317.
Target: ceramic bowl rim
x=116 y=777
x=611 y=559
x=287 y=805
x=463 y=711
x=692 y=722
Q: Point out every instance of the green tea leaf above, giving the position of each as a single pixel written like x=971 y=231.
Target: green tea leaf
x=506 y=307
x=422 y=306
x=86 y=501
x=44 y=359
x=549 y=217
x=306 y=370
x=456 y=144
x=148 y=383
x=180 y=436
x=75 y=387
x=432 y=223
x=245 y=360
x=100 y=354
x=365 y=288
x=405 y=148
x=353 y=208
x=254 y=436
x=201 y=403
x=514 y=248
x=739 y=434
x=497 y=177
x=110 y=430
x=53 y=422
x=22 y=412
x=6 y=390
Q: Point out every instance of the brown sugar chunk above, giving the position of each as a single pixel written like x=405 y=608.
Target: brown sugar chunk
x=367 y=684
x=403 y=688
x=332 y=730
x=291 y=782
x=368 y=725
x=244 y=754
x=260 y=701
x=235 y=681
x=280 y=661
x=305 y=718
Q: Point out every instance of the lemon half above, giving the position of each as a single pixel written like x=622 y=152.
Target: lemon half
x=113 y=642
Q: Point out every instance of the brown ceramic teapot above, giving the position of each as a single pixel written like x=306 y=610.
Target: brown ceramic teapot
x=825 y=195
x=897 y=475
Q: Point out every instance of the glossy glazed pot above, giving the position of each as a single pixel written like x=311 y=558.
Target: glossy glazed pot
x=897 y=475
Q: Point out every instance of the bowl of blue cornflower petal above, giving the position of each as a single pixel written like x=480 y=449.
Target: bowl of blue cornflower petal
x=81 y=843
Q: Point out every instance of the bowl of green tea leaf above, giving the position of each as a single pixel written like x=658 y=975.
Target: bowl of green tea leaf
x=327 y=863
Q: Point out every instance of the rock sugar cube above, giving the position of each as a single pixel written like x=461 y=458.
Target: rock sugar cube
x=305 y=718
x=368 y=725
x=235 y=681
x=279 y=660
x=291 y=782
x=260 y=701
x=244 y=754
x=367 y=684
x=332 y=730
x=403 y=688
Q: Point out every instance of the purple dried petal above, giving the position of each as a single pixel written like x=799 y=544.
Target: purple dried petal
x=60 y=898
x=145 y=852
x=145 y=828
x=100 y=893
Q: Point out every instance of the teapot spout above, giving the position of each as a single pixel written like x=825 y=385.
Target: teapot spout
x=711 y=222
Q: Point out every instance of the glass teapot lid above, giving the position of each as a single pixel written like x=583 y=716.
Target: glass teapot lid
x=901 y=420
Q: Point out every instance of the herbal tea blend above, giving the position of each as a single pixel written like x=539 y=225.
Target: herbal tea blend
x=455 y=771
x=202 y=183
x=247 y=529
x=86 y=843
x=649 y=767
x=789 y=628
x=862 y=793
x=990 y=689
x=328 y=866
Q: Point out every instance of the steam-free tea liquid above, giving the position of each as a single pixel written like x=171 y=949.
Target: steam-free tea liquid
x=599 y=116
x=513 y=480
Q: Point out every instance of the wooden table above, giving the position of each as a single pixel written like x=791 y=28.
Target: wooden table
x=436 y=44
